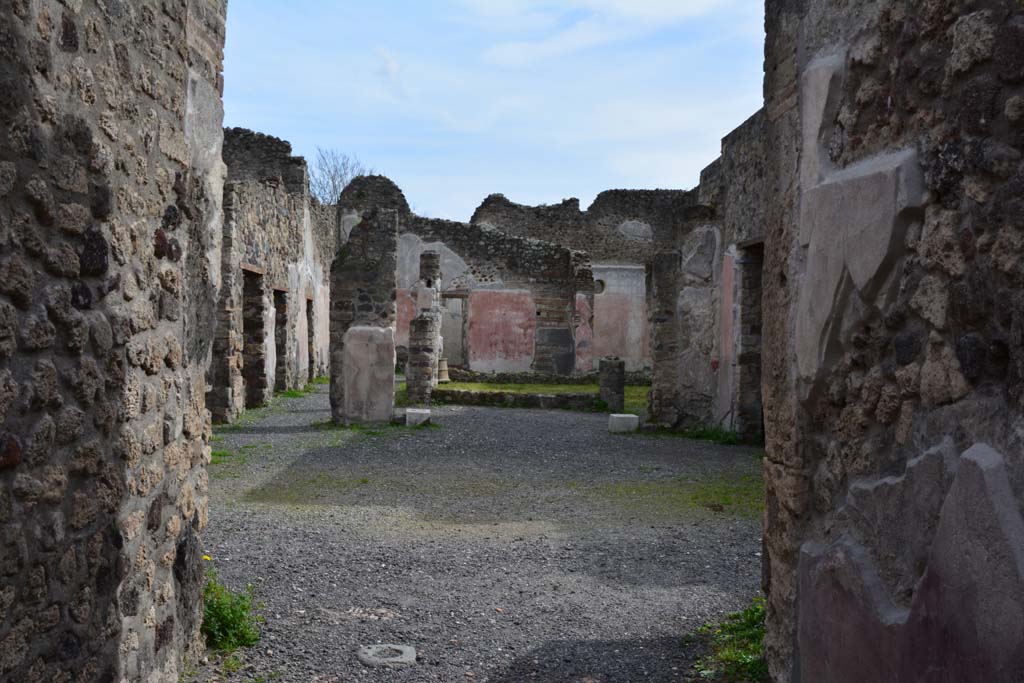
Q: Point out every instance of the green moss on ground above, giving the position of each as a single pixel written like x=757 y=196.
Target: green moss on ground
x=740 y=495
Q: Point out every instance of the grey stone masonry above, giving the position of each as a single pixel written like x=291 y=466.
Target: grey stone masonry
x=425 y=331
x=363 y=291
x=613 y=383
x=110 y=232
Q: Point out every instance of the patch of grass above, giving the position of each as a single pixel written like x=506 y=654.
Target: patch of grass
x=231 y=664
x=740 y=495
x=716 y=435
x=304 y=489
x=229 y=618
x=247 y=419
x=636 y=400
x=292 y=393
x=737 y=647
x=221 y=457
x=320 y=381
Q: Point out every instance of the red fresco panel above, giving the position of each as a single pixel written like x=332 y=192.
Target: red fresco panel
x=502 y=326
x=406 y=312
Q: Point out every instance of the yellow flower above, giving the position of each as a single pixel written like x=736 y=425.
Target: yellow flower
x=207 y=558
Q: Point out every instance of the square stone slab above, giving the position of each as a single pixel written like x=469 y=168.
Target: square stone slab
x=623 y=424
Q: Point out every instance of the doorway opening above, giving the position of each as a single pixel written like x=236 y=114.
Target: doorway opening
x=254 y=356
x=281 y=339
x=749 y=404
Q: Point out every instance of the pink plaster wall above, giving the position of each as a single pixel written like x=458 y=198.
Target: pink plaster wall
x=502 y=325
x=726 y=342
x=406 y=312
x=584 y=335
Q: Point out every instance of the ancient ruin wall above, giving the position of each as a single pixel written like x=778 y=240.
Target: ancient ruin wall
x=706 y=314
x=110 y=190
x=618 y=233
x=511 y=303
x=271 y=232
x=363 y=296
x=894 y=369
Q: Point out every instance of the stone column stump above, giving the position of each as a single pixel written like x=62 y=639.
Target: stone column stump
x=613 y=383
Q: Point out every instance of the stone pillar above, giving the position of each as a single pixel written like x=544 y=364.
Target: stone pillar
x=110 y=235
x=892 y=362
x=425 y=331
x=613 y=383
x=363 y=312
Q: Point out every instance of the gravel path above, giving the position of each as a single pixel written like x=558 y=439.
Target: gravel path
x=505 y=545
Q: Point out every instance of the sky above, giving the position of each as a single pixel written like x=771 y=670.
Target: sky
x=539 y=100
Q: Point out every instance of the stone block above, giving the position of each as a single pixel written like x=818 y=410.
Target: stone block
x=368 y=372
x=623 y=424
x=415 y=417
x=856 y=223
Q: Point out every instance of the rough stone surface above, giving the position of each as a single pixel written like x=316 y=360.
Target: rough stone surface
x=363 y=297
x=275 y=242
x=612 y=383
x=706 y=285
x=885 y=356
x=111 y=179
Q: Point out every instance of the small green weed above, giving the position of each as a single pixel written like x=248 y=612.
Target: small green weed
x=219 y=457
x=231 y=664
x=320 y=381
x=737 y=647
x=229 y=618
x=292 y=393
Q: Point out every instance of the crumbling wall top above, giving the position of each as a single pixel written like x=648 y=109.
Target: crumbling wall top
x=257 y=157
x=373 y=192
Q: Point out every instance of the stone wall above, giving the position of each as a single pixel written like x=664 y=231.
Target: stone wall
x=363 y=317
x=283 y=243
x=706 y=308
x=110 y=193
x=893 y=362
x=511 y=304
x=618 y=233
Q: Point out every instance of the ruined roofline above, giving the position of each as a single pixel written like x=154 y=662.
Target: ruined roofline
x=252 y=156
x=373 y=191
x=570 y=208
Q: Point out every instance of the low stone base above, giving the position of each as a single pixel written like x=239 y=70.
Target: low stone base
x=502 y=399
x=415 y=417
x=623 y=424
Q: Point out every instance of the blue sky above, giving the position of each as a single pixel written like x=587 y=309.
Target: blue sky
x=537 y=99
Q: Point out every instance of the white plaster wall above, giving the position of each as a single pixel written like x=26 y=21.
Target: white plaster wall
x=624 y=299
x=454 y=270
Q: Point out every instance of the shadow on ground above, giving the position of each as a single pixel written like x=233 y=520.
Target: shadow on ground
x=603 y=661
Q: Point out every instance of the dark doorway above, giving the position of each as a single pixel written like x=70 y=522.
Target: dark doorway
x=254 y=356
x=749 y=405
x=311 y=338
x=281 y=339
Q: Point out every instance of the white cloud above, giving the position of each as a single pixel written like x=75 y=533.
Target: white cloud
x=568 y=26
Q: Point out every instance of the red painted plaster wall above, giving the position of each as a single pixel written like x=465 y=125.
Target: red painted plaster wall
x=502 y=327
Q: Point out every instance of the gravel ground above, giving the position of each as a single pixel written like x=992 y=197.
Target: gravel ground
x=505 y=545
